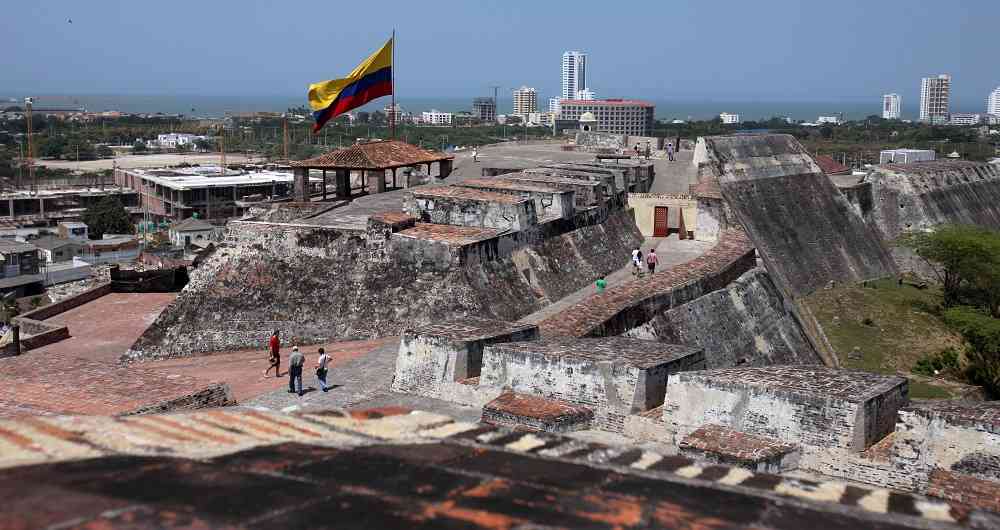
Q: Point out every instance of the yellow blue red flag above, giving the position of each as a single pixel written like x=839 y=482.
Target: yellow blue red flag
x=370 y=80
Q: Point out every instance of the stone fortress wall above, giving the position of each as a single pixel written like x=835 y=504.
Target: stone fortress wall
x=453 y=251
x=919 y=196
x=754 y=393
x=803 y=227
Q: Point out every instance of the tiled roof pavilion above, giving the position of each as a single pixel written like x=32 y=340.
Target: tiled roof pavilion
x=373 y=156
x=372 y=159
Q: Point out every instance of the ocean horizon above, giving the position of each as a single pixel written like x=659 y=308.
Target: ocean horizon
x=666 y=109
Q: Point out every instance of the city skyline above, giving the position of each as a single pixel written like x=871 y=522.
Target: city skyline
x=283 y=56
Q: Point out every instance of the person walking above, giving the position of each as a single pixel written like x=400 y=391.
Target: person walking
x=651 y=260
x=601 y=283
x=637 y=150
x=274 y=357
x=670 y=152
x=475 y=154
x=636 y=261
x=321 y=363
x=295 y=362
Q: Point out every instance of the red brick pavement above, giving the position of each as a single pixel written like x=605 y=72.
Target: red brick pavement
x=580 y=319
x=81 y=375
x=243 y=370
x=105 y=328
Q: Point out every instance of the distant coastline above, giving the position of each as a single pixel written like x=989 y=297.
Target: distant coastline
x=216 y=106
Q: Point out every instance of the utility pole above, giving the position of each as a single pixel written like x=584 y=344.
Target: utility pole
x=285 y=134
x=495 y=89
x=31 y=160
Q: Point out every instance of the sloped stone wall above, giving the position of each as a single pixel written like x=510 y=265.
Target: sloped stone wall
x=316 y=284
x=744 y=324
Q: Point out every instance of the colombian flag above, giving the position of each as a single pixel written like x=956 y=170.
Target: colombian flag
x=371 y=79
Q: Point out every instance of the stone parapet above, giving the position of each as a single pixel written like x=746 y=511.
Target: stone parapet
x=536 y=413
x=455 y=205
x=815 y=406
x=433 y=355
x=613 y=376
x=727 y=446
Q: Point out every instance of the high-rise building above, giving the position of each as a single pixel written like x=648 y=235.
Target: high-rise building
x=586 y=94
x=554 y=105
x=891 y=105
x=574 y=73
x=934 y=95
x=485 y=109
x=993 y=102
x=525 y=101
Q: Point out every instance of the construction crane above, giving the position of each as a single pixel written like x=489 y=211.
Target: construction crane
x=29 y=131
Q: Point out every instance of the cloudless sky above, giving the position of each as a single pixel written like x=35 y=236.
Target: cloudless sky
x=775 y=50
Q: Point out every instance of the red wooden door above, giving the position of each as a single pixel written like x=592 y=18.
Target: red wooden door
x=660 y=221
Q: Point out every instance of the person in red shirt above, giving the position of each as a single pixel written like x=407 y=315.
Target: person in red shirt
x=652 y=260
x=275 y=356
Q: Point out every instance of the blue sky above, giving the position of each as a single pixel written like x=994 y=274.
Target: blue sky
x=776 y=50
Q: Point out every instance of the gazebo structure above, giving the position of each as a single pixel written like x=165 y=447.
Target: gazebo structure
x=371 y=161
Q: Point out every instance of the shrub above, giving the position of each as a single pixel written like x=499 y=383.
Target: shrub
x=982 y=333
x=945 y=361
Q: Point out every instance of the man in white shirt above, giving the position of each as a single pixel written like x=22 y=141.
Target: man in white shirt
x=321 y=363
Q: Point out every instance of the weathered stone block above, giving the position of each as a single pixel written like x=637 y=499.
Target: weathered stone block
x=726 y=446
x=432 y=355
x=454 y=205
x=814 y=406
x=614 y=376
x=537 y=413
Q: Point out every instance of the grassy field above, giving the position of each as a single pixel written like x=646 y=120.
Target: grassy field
x=893 y=326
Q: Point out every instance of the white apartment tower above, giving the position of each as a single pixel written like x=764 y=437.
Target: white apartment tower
x=525 y=101
x=891 y=105
x=993 y=102
x=934 y=95
x=574 y=73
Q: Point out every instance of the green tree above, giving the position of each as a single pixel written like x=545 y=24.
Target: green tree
x=107 y=216
x=966 y=259
x=104 y=151
x=139 y=147
x=982 y=334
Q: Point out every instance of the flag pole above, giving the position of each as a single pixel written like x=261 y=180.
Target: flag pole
x=392 y=105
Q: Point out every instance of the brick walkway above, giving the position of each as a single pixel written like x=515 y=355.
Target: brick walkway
x=105 y=328
x=671 y=251
x=583 y=318
x=243 y=370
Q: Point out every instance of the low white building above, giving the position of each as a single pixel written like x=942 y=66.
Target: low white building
x=965 y=118
x=729 y=118
x=73 y=230
x=906 y=156
x=436 y=117
x=174 y=140
x=111 y=249
x=190 y=231
x=832 y=120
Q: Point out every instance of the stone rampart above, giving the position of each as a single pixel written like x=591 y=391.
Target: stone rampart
x=803 y=227
x=586 y=193
x=748 y=322
x=456 y=205
x=808 y=406
x=613 y=376
x=919 y=196
x=629 y=306
x=549 y=202
x=435 y=356
x=316 y=284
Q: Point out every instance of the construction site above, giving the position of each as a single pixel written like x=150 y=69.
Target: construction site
x=479 y=379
